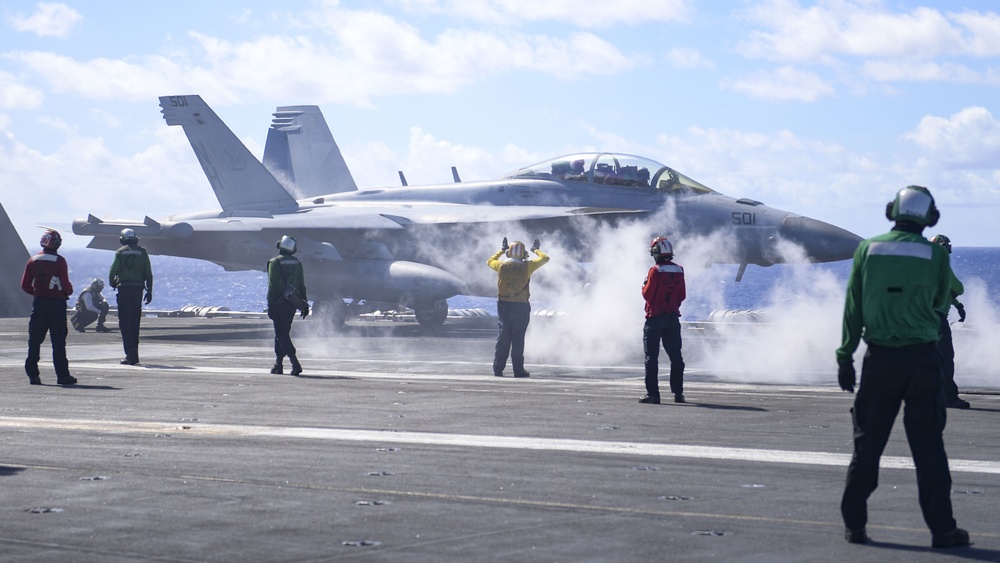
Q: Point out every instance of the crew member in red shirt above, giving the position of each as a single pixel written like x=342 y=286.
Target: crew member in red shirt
x=46 y=277
x=663 y=291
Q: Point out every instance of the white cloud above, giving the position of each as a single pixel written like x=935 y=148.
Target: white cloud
x=683 y=57
x=784 y=84
x=866 y=29
x=106 y=117
x=15 y=95
x=83 y=175
x=370 y=55
x=982 y=35
x=49 y=20
x=581 y=13
x=967 y=139
x=927 y=71
x=105 y=78
x=57 y=124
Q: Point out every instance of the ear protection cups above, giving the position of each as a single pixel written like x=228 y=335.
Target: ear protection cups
x=933 y=216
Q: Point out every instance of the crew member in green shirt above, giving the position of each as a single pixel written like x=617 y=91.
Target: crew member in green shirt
x=951 y=398
x=897 y=283
x=130 y=273
x=286 y=293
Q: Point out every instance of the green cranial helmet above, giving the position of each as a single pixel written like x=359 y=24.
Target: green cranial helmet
x=128 y=237
x=913 y=203
x=943 y=241
x=287 y=245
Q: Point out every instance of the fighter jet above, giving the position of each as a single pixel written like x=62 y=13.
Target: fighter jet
x=398 y=244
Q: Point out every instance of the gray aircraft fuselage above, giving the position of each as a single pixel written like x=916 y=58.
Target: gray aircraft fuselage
x=400 y=244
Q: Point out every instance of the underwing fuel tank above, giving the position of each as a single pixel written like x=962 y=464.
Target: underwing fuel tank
x=384 y=280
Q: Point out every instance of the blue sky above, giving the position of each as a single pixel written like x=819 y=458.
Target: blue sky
x=821 y=108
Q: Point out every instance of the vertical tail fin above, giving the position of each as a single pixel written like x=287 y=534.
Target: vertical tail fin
x=240 y=181
x=301 y=150
x=13 y=301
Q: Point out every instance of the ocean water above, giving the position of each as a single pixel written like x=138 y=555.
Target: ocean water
x=180 y=282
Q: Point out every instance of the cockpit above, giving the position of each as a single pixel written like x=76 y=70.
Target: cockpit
x=612 y=169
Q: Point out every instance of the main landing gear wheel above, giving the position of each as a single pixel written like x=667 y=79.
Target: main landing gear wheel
x=432 y=316
x=332 y=312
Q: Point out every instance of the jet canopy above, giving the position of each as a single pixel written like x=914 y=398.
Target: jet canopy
x=611 y=169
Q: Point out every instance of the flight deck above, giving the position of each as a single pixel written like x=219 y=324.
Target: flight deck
x=398 y=444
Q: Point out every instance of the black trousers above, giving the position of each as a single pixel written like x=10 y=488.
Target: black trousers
x=281 y=314
x=513 y=318
x=665 y=329
x=889 y=377
x=83 y=317
x=48 y=315
x=129 y=315
x=947 y=360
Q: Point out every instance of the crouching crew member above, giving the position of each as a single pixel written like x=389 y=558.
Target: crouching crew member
x=130 y=273
x=663 y=290
x=46 y=278
x=286 y=293
x=91 y=306
x=513 y=309
x=897 y=283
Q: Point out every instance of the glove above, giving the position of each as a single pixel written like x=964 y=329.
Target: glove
x=114 y=282
x=961 y=312
x=305 y=311
x=504 y=246
x=846 y=375
x=534 y=246
x=148 y=297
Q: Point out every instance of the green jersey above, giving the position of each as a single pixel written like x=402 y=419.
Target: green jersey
x=956 y=289
x=897 y=282
x=282 y=271
x=131 y=268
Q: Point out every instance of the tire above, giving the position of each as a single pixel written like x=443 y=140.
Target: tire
x=433 y=316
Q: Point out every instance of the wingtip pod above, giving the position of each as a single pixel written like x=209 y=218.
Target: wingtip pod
x=96 y=227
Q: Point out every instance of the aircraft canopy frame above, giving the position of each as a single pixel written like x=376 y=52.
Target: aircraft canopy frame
x=612 y=169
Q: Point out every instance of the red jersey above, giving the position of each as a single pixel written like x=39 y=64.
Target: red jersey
x=664 y=289
x=47 y=275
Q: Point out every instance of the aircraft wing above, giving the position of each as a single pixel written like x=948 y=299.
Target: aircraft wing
x=343 y=217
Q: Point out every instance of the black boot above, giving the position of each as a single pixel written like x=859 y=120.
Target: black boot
x=32 y=371
x=277 y=369
x=296 y=366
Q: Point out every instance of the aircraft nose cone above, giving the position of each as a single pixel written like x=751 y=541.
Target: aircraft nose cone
x=823 y=242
